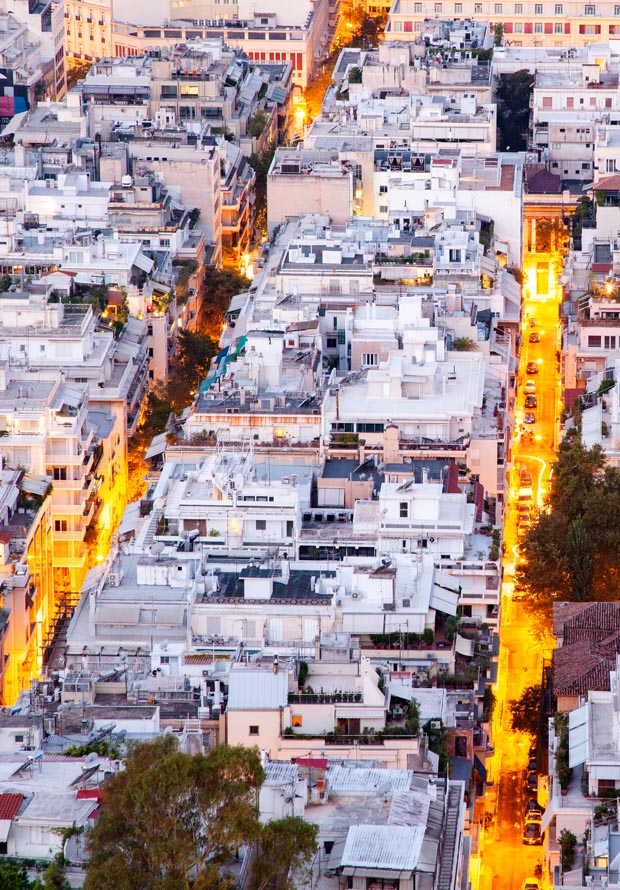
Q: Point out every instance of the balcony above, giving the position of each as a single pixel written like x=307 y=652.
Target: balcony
x=324 y=698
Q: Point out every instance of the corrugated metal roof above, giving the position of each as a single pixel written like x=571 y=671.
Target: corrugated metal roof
x=409 y=808
x=280 y=772
x=353 y=780
x=389 y=847
x=259 y=690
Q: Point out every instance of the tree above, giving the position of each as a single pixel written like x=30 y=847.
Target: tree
x=195 y=353
x=13 y=877
x=218 y=288
x=524 y=710
x=170 y=820
x=573 y=550
x=513 y=111
x=261 y=164
x=464 y=344
x=285 y=851
x=55 y=875
x=498 y=34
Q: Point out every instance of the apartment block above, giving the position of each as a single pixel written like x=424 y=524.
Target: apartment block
x=571 y=24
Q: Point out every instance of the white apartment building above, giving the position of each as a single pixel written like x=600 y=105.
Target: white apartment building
x=567 y=24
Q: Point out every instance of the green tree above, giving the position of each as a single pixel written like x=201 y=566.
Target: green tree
x=285 y=852
x=513 y=109
x=55 y=875
x=261 y=164
x=13 y=877
x=217 y=289
x=498 y=34
x=581 y=564
x=195 y=353
x=464 y=344
x=170 y=820
x=524 y=711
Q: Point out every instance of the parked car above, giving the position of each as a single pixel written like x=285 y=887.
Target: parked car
x=530 y=884
x=530 y=388
x=532 y=368
x=532 y=806
x=531 y=402
x=531 y=780
x=534 y=337
x=532 y=764
x=532 y=835
x=529 y=418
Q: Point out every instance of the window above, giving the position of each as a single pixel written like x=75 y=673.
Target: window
x=383 y=189
x=518 y=27
x=477 y=8
x=59 y=473
x=558 y=28
x=538 y=28
x=370 y=359
x=610 y=342
x=19 y=738
x=417 y=8
x=590 y=9
x=610 y=165
x=594 y=342
x=437 y=8
x=559 y=9
x=331 y=342
x=60 y=525
x=518 y=9
x=296 y=720
x=538 y=9
x=341 y=338
x=616 y=10
x=458 y=8
x=498 y=9
x=404 y=509
x=383 y=208
x=261 y=525
x=253 y=729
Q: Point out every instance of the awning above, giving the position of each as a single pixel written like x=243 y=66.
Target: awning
x=578 y=736
x=463 y=646
x=130 y=519
x=445 y=593
x=143 y=262
x=480 y=768
x=157 y=446
x=361 y=712
x=14 y=124
x=35 y=484
x=547 y=818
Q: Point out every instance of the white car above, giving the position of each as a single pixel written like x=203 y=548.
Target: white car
x=530 y=388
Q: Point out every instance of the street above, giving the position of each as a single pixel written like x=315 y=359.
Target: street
x=506 y=861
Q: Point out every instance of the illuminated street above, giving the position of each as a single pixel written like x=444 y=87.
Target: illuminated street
x=506 y=861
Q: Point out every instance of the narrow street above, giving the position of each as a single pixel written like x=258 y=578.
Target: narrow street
x=506 y=861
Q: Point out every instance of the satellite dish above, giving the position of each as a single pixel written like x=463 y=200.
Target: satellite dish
x=90 y=760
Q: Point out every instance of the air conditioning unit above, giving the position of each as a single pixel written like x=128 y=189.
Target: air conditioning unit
x=355 y=596
x=435 y=724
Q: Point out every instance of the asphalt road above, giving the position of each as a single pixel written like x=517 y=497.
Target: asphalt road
x=505 y=860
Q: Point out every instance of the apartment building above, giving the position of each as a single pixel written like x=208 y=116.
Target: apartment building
x=568 y=24
x=299 y=34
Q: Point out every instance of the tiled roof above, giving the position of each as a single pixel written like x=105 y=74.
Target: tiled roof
x=9 y=805
x=583 y=666
x=569 y=619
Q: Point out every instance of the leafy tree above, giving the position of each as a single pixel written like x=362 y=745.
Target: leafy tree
x=568 y=846
x=285 y=851
x=524 y=710
x=573 y=551
x=55 y=875
x=498 y=34
x=513 y=111
x=218 y=288
x=258 y=123
x=13 y=877
x=195 y=352
x=170 y=820
x=261 y=164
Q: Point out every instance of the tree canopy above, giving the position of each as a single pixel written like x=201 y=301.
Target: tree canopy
x=170 y=821
x=524 y=711
x=513 y=109
x=572 y=552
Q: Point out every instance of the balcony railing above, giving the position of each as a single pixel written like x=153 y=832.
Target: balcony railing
x=324 y=698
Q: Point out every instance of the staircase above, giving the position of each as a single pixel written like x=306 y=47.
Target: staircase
x=447 y=866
